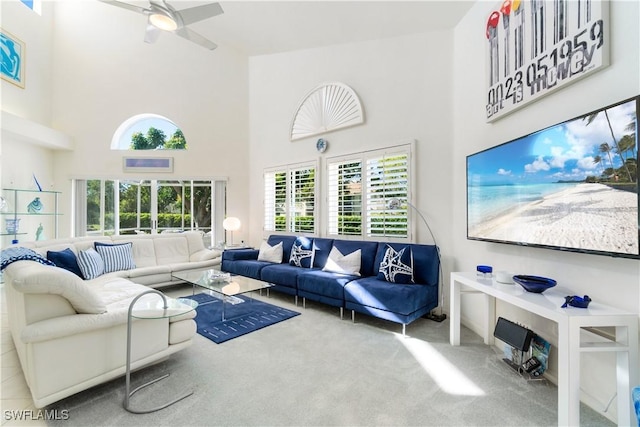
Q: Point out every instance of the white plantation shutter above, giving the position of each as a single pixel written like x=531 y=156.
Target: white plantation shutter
x=345 y=197
x=360 y=188
x=269 y=201
x=302 y=200
x=290 y=199
x=387 y=178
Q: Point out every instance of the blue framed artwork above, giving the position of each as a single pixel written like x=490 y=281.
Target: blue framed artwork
x=13 y=54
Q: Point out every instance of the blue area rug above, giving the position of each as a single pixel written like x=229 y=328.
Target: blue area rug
x=242 y=317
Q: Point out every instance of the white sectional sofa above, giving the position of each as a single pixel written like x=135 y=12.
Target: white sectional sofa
x=70 y=333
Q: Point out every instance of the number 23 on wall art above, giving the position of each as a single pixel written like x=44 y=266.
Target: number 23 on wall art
x=13 y=54
x=534 y=47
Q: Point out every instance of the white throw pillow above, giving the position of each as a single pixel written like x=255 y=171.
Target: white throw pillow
x=345 y=264
x=270 y=253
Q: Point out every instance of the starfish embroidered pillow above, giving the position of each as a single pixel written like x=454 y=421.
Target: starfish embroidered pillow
x=302 y=253
x=397 y=265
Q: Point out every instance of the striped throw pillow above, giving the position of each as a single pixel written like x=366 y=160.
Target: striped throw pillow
x=90 y=263
x=116 y=257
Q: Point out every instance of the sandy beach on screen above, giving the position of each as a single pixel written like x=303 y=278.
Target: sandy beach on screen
x=587 y=216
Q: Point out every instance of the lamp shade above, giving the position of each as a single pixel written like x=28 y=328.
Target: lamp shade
x=231 y=223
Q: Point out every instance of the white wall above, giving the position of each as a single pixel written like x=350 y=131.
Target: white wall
x=606 y=280
x=404 y=85
x=34 y=101
x=103 y=73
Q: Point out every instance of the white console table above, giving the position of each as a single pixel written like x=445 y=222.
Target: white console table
x=570 y=320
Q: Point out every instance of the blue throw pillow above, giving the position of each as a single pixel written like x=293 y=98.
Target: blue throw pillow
x=397 y=266
x=65 y=259
x=116 y=257
x=19 y=253
x=302 y=253
x=90 y=263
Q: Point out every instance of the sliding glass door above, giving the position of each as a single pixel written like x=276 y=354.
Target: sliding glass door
x=106 y=207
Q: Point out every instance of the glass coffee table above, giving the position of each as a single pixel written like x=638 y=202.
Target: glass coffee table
x=222 y=285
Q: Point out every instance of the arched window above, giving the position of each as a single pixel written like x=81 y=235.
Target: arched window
x=148 y=132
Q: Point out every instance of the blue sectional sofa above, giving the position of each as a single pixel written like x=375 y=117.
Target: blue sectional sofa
x=369 y=291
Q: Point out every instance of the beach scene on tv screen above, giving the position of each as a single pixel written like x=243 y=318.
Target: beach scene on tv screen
x=572 y=185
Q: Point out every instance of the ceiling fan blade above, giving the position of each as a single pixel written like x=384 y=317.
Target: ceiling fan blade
x=195 y=37
x=152 y=33
x=126 y=6
x=199 y=13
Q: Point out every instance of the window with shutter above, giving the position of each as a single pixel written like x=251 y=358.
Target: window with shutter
x=361 y=188
x=290 y=199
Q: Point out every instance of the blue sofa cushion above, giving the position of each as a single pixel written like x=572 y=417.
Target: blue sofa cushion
x=237 y=254
x=368 y=254
x=397 y=298
x=324 y=283
x=321 y=249
x=247 y=268
x=302 y=253
x=281 y=274
x=396 y=265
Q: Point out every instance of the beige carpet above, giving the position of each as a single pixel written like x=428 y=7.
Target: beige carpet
x=318 y=370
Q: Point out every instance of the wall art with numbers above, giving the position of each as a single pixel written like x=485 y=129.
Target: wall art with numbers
x=534 y=47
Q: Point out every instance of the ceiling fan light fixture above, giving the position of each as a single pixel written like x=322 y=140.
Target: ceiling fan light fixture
x=163 y=22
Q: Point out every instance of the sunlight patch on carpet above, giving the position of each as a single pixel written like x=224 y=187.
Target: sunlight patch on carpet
x=449 y=378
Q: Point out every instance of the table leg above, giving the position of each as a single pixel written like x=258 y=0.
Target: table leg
x=454 y=313
x=129 y=393
x=489 y=318
x=626 y=372
x=568 y=374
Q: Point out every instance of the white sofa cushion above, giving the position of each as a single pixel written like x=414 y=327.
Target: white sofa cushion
x=33 y=278
x=171 y=249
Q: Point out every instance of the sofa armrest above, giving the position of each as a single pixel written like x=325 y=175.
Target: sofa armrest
x=240 y=254
x=29 y=277
x=204 y=255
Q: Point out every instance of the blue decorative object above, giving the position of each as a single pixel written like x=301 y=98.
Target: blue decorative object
x=35 y=180
x=12 y=225
x=35 y=206
x=484 y=268
x=535 y=284
x=18 y=253
x=576 y=301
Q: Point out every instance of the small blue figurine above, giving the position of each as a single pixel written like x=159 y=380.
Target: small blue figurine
x=35 y=206
x=576 y=301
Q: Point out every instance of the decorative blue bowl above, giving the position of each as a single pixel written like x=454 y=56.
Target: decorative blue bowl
x=535 y=284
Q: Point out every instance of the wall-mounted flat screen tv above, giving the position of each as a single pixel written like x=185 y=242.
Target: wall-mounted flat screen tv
x=572 y=186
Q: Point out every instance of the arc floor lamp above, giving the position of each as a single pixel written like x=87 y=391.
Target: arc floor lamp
x=395 y=204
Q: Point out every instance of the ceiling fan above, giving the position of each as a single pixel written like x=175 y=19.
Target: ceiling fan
x=161 y=16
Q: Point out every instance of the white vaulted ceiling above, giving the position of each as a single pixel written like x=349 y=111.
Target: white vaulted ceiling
x=267 y=27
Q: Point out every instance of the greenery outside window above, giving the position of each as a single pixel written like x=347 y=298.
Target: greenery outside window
x=360 y=188
x=148 y=132
x=290 y=199
x=107 y=207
